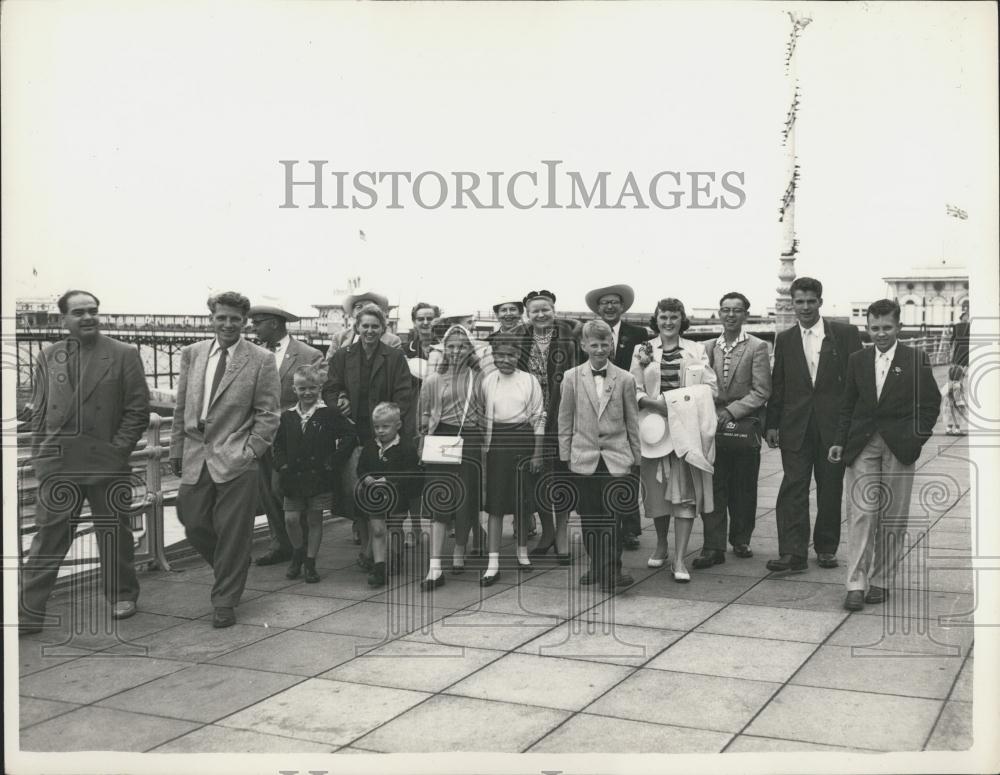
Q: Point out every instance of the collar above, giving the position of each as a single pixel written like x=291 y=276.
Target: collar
x=888 y=354
x=282 y=344
x=817 y=327
x=216 y=346
x=382 y=450
x=721 y=341
x=312 y=409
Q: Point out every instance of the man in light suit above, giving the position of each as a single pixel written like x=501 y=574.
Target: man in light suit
x=599 y=439
x=742 y=368
x=891 y=403
x=89 y=409
x=807 y=384
x=270 y=325
x=225 y=419
x=609 y=304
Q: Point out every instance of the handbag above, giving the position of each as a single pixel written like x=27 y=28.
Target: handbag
x=447 y=449
x=739 y=435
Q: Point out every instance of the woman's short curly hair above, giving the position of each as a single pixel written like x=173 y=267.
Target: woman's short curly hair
x=370 y=309
x=670 y=305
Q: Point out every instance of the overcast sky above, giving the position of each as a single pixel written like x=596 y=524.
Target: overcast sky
x=141 y=146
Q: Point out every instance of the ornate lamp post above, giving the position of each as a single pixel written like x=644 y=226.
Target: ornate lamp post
x=783 y=315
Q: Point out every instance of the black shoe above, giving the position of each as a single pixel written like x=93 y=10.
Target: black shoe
x=275 y=557
x=295 y=568
x=377 y=577
x=428 y=584
x=876 y=595
x=826 y=560
x=630 y=542
x=787 y=563
x=587 y=579
x=742 y=550
x=311 y=576
x=223 y=617
x=619 y=582
x=708 y=558
x=488 y=581
x=564 y=559
x=855 y=600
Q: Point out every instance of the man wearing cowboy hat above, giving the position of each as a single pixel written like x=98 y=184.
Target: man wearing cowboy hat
x=270 y=326
x=351 y=306
x=609 y=304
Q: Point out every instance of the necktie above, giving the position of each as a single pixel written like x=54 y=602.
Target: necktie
x=812 y=355
x=220 y=369
x=599 y=372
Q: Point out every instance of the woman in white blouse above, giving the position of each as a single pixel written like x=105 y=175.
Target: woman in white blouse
x=671 y=486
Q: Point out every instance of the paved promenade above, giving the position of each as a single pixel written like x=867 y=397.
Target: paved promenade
x=735 y=661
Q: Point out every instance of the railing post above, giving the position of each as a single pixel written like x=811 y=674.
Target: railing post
x=154 y=490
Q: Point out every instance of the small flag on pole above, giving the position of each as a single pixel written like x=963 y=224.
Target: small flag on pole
x=956 y=212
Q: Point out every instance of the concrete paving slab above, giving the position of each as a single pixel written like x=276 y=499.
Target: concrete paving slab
x=199 y=641
x=753 y=744
x=482 y=629
x=298 y=652
x=598 y=642
x=404 y=664
x=710 y=588
x=861 y=719
x=962 y=691
x=949 y=607
x=685 y=699
x=102 y=729
x=458 y=592
x=907 y=636
x=445 y=723
x=104 y=634
x=182 y=599
x=32 y=710
x=325 y=711
x=953 y=731
x=351 y=584
x=782 y=593
x=734 y=657
x=34 y=655
x=733 y=566
x=94 y=677
x=289 y=610
x=377 y=621
x=757 y=621
x=883 y=672
x=214 y=739
x=663 y=613
x=545 y=602
x=529 y=680
x=202 y=693
x=585 y=733
x=569 y=578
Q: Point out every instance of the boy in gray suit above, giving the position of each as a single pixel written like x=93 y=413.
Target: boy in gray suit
x=599 y=438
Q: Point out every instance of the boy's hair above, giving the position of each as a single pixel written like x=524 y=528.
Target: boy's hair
x=596 y=329
x=307 y=371
x=370 y=309
x=229 y=299
x=806 y=284
x=883 y=307
x=386 y=409
x=955 y=373
x=424 y=305
x=736 y=295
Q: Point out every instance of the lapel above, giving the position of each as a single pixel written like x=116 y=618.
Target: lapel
x=651 y=372
x=868 y=375
x=196 y=377
x=236 y=362
x=377 y=360
x=827 y=352
x=735 y=359
x=891 y=379
x=97 y=367
x=288 y=362
x=609 y=390
x=353 y=369
x=798 y=354
x=587 y=380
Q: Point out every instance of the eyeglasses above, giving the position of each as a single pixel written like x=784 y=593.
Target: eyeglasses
x=258 y=321
x=609 y=303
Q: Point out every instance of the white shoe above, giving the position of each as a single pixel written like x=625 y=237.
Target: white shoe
x=652 y=562
x=682 y=576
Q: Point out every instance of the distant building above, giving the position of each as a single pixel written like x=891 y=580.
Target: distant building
x=931 y=296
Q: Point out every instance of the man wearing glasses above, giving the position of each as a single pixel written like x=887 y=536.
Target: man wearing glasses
x=609 y=304
x=270 y=326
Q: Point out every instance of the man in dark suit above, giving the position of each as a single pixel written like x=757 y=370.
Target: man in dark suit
x=891 y=402
x=225 y=420
x=807 y=384
x=609 y=304
x=270 y=325
x=89 y=409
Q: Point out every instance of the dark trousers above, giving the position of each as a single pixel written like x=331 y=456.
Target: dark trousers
x=734 y=491
x=602 y=533
x=57 y=514
x=631 y=525
x=271 y=499
x=792 y=508
x=218 y=521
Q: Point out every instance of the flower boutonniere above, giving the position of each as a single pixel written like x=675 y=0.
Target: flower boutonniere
x=645 y=354
x=896 y=370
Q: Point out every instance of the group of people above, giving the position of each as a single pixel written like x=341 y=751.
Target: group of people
x=545 y=416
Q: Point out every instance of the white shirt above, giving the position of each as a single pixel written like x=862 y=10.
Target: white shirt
x=304 y=416
x=510 y=399
x=382 y=450
x=280 y=349
x=614 y=337
x=599 y=381
x=812 y=342
x=213 y=360
x=883 y=360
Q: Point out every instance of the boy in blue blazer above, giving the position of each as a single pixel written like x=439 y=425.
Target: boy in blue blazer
x=891 y=402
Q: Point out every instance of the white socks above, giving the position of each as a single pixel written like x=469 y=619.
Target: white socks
x=522 y=556
x=493 y=566
x=435 y=569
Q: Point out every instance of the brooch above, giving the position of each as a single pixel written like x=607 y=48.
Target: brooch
x=645 y=354
x=896 y=370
